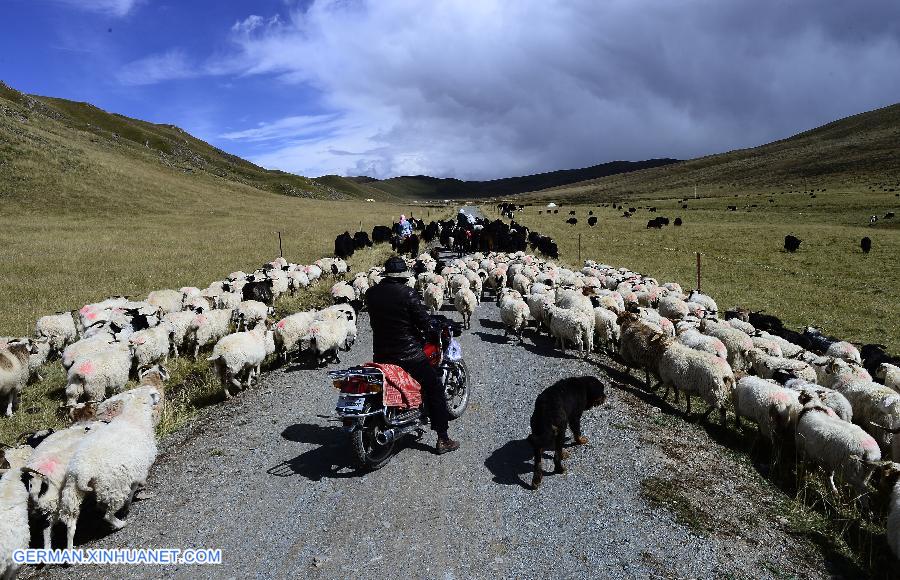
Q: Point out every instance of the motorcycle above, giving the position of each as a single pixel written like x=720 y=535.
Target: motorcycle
x=374 y=427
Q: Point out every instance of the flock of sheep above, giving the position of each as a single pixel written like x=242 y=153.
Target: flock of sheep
x=108 y=450
x=819 y=395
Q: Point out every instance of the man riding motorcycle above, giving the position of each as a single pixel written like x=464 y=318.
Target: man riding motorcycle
x=399 y=321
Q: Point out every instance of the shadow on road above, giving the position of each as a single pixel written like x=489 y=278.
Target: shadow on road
x=330 y=459
x=488 y=323
x=510 y=462
x=491 y=338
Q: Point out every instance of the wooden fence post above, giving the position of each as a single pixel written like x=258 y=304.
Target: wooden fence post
x=698 y=271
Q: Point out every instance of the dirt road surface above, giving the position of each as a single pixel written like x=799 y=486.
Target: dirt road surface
x=266 y=478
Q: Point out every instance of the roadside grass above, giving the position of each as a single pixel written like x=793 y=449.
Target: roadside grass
x=828 y=283
x=786 y=493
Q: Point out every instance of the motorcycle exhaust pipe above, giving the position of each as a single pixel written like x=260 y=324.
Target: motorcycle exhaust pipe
x=391 y=435
x=385 y=437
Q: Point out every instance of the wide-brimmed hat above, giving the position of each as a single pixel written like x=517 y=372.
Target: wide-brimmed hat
x=396 y=268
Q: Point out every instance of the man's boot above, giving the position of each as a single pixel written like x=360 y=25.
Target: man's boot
x=446 y=445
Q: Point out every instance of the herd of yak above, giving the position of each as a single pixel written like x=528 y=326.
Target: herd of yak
x=463 y=234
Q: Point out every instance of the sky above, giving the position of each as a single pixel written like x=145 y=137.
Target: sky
x=474 y=89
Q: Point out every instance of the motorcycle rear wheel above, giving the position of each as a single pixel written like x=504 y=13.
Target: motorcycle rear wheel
x=456 y=388
x=370 y=455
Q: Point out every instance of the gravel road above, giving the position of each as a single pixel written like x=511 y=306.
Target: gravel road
x=265 y=478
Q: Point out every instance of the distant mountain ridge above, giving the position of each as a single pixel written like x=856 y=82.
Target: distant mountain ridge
x=423 y=186
x=859 y=152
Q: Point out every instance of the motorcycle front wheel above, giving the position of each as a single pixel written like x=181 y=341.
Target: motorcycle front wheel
x=456 y=388
x=370 y=455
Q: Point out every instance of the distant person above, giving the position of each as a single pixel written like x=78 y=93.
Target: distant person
x=405 y=228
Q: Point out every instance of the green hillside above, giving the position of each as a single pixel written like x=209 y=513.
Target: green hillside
x=857 y=153
x=45 y=141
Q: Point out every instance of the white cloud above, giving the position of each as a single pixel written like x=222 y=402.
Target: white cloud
x=254 y=22
x=155 y=68
x=299 y=127
x=502 y=87
x=114 y=7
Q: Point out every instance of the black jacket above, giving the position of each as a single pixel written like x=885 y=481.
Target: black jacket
x=399 y=321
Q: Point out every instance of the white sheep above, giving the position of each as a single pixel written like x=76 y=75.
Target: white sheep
x=46 y=472
x=606 y=329
x=876 y=409
x=14 y=373
x=325 y=337
x=768 y=367
x=844 y=350
x=456 y=282
x=166 y=300
x=41 y=352
x=14 y=532
x=465 y=302
x=692 y=338
x=208 y=328
x=342 y=292
x=434 y=297
x=514 y=314
x=113 y=462
x=290 y=329
x=346 y=314
x=788 y=348
x=889 y=375
x=59 y=329
x=297 y=280
x=835 y=445
x=772 y=407
x=673 y=308
x=697 y=372
x=85 y=346
x=744 y=327
x=180 y=323
x=832 y=399
x=153 y=345
x=94 y=374
x=653 y=317
x=249 y=313
x=770 y=347
x=571 y=325
x=737 y=343
x=238 y=357
x=705 y=301
x=834 y=373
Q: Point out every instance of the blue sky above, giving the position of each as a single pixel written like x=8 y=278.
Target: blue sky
x=463 y=88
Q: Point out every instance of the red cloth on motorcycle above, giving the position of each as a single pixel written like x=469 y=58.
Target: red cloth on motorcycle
x=400 y=389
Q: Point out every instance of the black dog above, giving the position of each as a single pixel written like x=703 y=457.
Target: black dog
x=558 y=406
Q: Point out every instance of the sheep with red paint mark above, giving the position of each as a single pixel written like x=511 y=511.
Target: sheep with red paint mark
x=112 y=463
x=95 y=374
x=289 y=330
x=209 y=327
x=772 y=407
x=238 y=357
x=46 y=472
x=837 y=446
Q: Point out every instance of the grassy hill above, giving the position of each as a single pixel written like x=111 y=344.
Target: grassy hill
x=859 y=153
x=42 y=148
x=424 y=187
